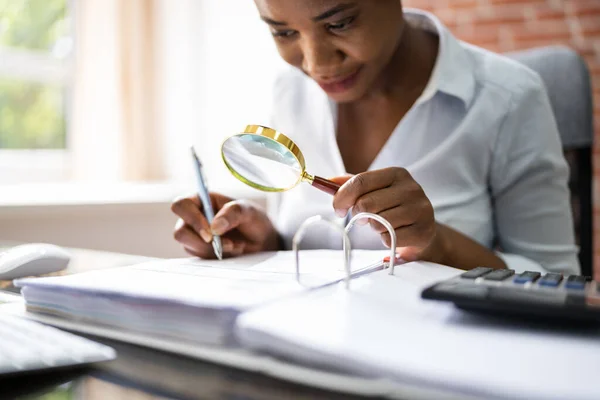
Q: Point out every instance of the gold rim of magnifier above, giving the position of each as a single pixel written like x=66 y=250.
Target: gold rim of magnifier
x=279 y=138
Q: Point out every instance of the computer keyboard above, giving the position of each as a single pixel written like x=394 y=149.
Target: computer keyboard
x=30 y=346
x=530 y=294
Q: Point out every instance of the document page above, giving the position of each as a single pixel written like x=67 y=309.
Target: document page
x=234 y=283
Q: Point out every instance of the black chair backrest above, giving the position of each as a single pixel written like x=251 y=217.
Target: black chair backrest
x=567 y=81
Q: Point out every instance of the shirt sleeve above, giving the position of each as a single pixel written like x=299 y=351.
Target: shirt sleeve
x=529 y=185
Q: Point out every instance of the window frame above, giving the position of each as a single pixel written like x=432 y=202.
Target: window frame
x=34 y=66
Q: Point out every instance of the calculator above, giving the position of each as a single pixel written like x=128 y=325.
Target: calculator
x=528 y=294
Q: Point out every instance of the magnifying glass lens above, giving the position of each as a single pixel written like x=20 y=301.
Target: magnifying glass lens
x=261 y=162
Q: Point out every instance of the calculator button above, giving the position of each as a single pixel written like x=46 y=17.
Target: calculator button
x=499 y=275
x=527 y=276
x=550 y=280
x=576 y=282
x=476 y=272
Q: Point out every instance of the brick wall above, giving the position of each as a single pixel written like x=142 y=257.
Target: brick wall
x=507 y=25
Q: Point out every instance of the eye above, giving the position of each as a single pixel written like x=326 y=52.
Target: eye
x=341 y=25
x=285 y=34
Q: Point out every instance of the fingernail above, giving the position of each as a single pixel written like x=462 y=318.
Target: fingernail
x=341 y=213
x=219 y=226
x=206 y=236
x=362 y=221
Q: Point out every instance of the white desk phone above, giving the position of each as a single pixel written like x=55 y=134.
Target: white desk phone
x=32 y=259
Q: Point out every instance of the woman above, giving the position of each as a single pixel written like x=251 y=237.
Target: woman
x=455 y=146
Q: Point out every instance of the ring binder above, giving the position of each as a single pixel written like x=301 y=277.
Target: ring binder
x=387 y=226
x=345 y=243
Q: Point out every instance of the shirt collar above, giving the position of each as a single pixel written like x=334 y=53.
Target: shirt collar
x=453 y=71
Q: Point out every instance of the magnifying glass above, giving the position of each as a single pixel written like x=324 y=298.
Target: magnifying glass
x=268 y=160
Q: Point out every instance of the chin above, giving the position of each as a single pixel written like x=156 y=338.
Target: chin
x=347 y=96
x=352 y=94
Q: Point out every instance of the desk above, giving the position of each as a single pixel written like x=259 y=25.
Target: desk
x=143 y=373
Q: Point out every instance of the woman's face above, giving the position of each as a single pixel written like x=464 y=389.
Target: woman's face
x=344 y=45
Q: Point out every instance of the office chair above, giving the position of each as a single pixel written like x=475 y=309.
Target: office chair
x=568 y=84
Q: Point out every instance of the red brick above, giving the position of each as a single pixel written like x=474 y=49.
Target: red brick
x=520 y=2
x=546 y=12
x=586 y=51
x=422 y=4
x=482 y=36
x=582 y=7
x=464 y=4
x=590 y=25
x=505 y=15
x=541 y=31
x=447 y=16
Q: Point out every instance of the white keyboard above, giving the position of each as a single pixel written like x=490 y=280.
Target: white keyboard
x=30 y=346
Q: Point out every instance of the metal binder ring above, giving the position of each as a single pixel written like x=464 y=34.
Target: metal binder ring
x=387 y=225
x=346 y=245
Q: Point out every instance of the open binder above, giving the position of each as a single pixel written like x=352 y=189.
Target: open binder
x=370 y=333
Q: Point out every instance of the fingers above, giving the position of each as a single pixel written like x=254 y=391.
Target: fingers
x=190 y=210
x=395 y=196
x=192 y=243
x=233 y=247
x=364 y=183
x=340 y=180
x=232 y=215
x=380 y=200
x=416 y=235
x=398 y=217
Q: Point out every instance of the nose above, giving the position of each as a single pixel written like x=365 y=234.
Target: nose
x=321 y=59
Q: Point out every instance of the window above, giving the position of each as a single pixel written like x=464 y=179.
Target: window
x=36 y=41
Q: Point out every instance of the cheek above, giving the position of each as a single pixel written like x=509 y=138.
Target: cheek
x=291 y=54
x=362 y=48
x=374 y=42
x=362 y=52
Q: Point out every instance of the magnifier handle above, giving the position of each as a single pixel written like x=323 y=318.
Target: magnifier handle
x=325 y=185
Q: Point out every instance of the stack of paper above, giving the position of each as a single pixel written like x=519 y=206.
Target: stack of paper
x=377 y=338
x=381 y=328
x=186 y=299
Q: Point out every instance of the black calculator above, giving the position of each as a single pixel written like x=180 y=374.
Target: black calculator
x=528 y=294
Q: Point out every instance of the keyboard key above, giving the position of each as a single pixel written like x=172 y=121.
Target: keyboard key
x=576 y=282
x=28 y=346
x=476 y=273
x=527 y=276
x=499 y=275
x=550 y=280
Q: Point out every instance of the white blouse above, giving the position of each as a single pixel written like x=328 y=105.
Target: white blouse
x=481 y=141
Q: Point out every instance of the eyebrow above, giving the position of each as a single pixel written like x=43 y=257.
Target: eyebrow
x=327 y=14
x=335 y=10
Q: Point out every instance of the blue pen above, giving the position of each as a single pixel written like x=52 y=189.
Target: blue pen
x=206 y=203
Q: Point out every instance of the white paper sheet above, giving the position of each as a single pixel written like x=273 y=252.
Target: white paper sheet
x=381 y=327
x=234 y=284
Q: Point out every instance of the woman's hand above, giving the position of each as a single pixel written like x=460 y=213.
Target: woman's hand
x=244 y=228
x=396 y=196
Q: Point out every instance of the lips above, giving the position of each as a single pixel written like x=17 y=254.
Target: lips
x=341 y=84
